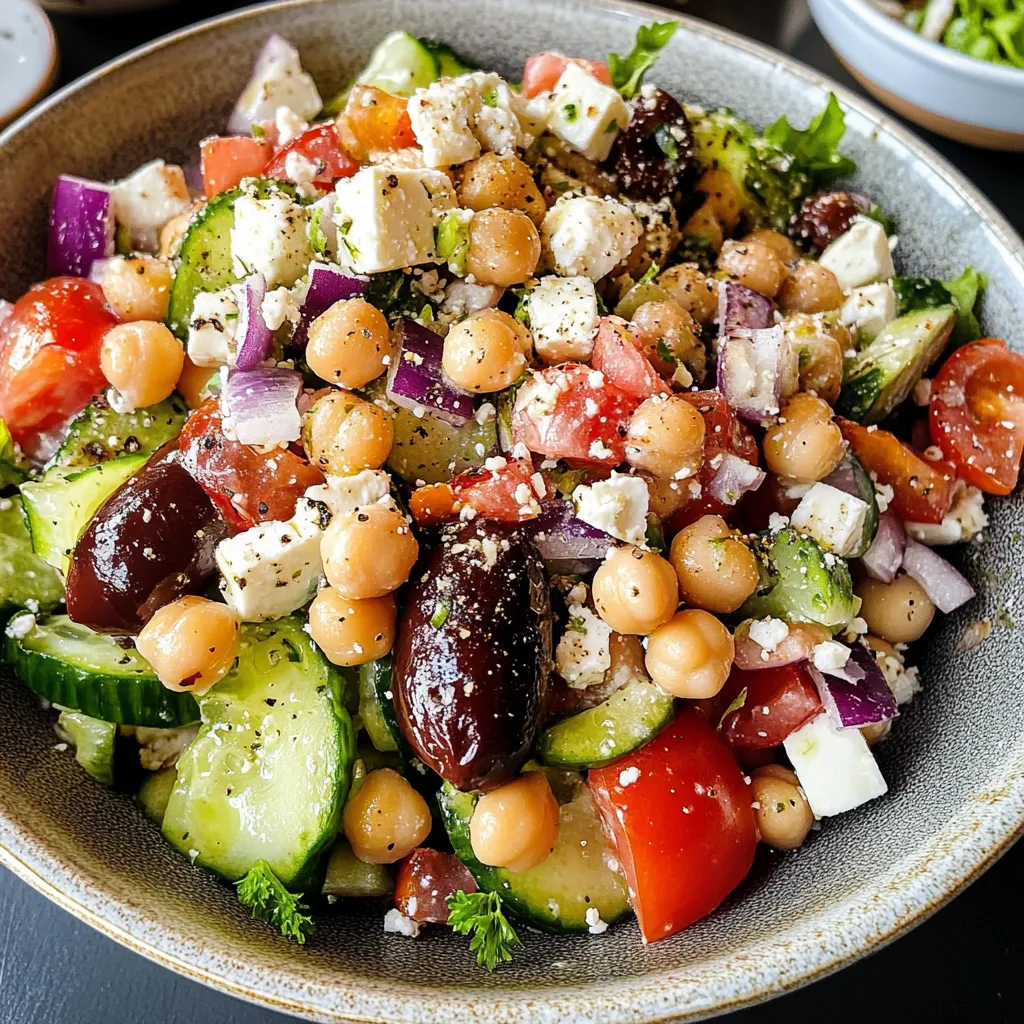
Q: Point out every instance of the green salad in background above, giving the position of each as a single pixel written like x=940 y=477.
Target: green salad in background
x=991 y=30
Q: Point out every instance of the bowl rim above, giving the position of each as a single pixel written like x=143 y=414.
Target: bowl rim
x=987 y=830
x=952 y=60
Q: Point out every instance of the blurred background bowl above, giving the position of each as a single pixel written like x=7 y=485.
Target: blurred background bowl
x=100 y=6
x=28 y=57
x=963 y=98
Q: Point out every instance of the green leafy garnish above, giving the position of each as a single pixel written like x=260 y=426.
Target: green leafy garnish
x=963 y=292
x=666 y=142
x=452 y=243
x=815 y=148
x=878 y=214
x=258 y=132
x=576 y=624
x=13 y=465
x=991 y=30
x=737 y=702
x=270 y=901
x=440 y=616
x=649 y=275
x=665 y=353
x=522 y=310
x=627 y=72
x=489 y=97
x=317 y=235
x=479 y=914
x=570 y=111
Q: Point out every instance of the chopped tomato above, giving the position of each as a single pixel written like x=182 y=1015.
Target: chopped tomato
x=321 y=147
x=227 y=159
x=426 y=878
x=504 y=493
x=50 y=359
x=681 y=819
x=542 y=72
x=571 y=412
x=777 y=702
x=622 y=363
x=976 y=414
x=922 y=490
x=248 y=486
x=374 y=121
x=433 y=504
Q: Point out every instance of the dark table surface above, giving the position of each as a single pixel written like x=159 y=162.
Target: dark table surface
x=964 y=964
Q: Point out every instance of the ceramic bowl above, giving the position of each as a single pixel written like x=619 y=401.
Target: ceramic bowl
x=941 y=89
x=955 y=762
x=101 y=6
x=28 y=56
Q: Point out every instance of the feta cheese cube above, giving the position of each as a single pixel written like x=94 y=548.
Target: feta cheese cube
x=274 y=568
x=343 y=494
x=147 y=199
x=965 y=519
x=868 y=310
x=588 y=236
x=497 y=127
x=586 y=114
x=617 y=505
x=830 y=656
x=860 y=256
x=835 y=767
x=564 y=318
x=289 y=125
x=832 y=517
x=278 y=82
x=211 y=331
x=768 y=633
x=278 y=308
x=270 y=236
x=583 y=654
x=386 y=217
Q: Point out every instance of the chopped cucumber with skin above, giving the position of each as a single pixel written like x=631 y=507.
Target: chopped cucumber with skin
x=350 y=878
x=13 y=466
x=93 y=741
x=376 y=706
x=154 y=793
x=26 y=581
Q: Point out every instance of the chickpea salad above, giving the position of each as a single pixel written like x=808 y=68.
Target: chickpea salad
x=511 y=502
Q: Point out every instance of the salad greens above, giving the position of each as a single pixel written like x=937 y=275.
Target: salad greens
x=963 y=293
x=991 y=30
x=628 y=72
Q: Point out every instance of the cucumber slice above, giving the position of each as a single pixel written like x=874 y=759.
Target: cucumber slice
x=26 y=581
x=98 y=434
x=154 y=793
x=93 y=741
x=267 y=775
x=92 y=673
x=851 y=476
x=400 y=64
x=449 y=63
x=58 y=506
x=377 y=706
x=626 y=720
x=350 y=878
x=556 y=895
x=13 y=467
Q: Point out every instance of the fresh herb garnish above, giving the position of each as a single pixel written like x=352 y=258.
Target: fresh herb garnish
x=570 y=111
x=737 y=702
x=440 y=616
x=317 y=235
x=577 y=624
x=814 y=149
x=270 y=901
x=479 y=914
x=667 y=143
x=452 y=242
x=628 y=72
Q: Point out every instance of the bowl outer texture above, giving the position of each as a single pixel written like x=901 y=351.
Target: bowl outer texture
x=955 y=762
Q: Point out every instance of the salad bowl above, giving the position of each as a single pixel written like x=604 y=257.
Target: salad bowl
x=956 y=774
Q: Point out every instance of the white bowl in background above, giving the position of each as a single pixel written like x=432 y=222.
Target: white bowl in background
x=963 y=98
x=28 y=56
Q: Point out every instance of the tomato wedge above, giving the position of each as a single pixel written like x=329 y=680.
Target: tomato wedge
x=976 y=414
x=542 y=71
x=922 y=490
x=226 y=159
x=321 y=147
x=622 y=363
x=426 y=878
x=504 y=493
x=777 y=702
x=680 y=815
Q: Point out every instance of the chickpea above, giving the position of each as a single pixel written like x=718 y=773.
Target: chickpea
x=704 y=225
x=666 y=497
x=753 y=264
x=368 y=552
x=669 y=336
x=193 y=382
x=805 y=445
x=486 y=352
x=666 y=438
x=191 y=643
x=137 y=287
x=635 y=591
x=344 y=434
x=779 y=244
x=504 y=247
x=899 y=612
x=693 y=290
x=821 y=356
x=142 y=361
x=810 y=288
x=352 y=632
x=784 y=817
x=723 y=196
x=172 y=234
x=516 y=825
x=690 y=655
x=386 y=819
x=350 y=344
x=500 y=181
x=716 y=571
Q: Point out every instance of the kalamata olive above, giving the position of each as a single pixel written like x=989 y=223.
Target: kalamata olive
x=472 y=656
x=654 y=156
x=824 y=217
x=150 y=543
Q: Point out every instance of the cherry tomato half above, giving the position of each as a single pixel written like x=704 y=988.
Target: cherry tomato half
x=498 y=493
x=622 y=363
x=227 y=159
x=322 y=148
x=374 y=121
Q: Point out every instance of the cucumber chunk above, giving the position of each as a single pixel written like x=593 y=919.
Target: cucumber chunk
x=154 y=793
x=449 y=63
x=13 y=467
x=377 y=706
x=267 y=775
x=93 y=741
x=26 y=581
x=400 y=64
x=58 y=506
x=350 y=878
x=575 y=878
x=70 y=665
x=629 y=718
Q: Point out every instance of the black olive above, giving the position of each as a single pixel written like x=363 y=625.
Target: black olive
x=824 y=217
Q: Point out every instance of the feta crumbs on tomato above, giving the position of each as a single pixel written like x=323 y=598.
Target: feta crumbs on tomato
x=629 y=775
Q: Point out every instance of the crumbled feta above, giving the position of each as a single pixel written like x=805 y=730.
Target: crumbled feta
x=832 y=517
x=583 y=654
x=278 y=308
x=147 y=199
x=161 y=748
x=586 y=114
x=829 y=656
x=211 y=331
x=396 y=923
x=594 y=923
x=563 y=318
x=289 y=125
x=922 y=392
x=628 y=776
x=300 y=169
x=964 y=520
x=588 y=236
x=768 y=633
x=270 y=236
x=860 y=256
x=277 y=83
x=343 y=494
x=618 y=506
x=904 y=681
x=777 y=522
x=21 y=625
x=869 y=309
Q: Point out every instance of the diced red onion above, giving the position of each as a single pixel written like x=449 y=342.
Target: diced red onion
x=6 y=309
x=257 y=337
x=81 y=226
x=194 y=179
x=327 y=285
x=741 y=308
x=276 y=50
x=416 y=380
x=858 y=696
x=262 y=405
x=752 y=371
x=946 y=587
x=734 y=478
x=566 y=543
x=883 y=559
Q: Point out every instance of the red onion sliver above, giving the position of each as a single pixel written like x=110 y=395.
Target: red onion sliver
x=860 y=696
x=883 y=559
x=752 y=371
x=327 y=285
x=947 y=588
x=416 y=379
x=81 y=226
x=734 y=478
x=566 y=543
x=740 y=307
x=257 y=337
x=262 y=405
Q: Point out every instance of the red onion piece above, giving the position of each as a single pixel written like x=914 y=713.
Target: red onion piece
x=276 y=50
x=566 y=543
x=416 y=379
x=942 y=583
x=883 y=559
x=257 y=337
x=740 y=307
x=81 y=226
x=734 y=478
x=753 y=372
x=327 y=285
x=262 y=405
x=858 y=697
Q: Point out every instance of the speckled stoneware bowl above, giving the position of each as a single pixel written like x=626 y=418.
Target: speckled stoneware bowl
x=955 y=762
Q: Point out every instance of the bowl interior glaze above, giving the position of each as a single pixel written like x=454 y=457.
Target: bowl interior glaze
x=955 y=762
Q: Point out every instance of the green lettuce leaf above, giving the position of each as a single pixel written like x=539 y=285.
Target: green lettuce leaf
x=627 y=72
x=815 y=149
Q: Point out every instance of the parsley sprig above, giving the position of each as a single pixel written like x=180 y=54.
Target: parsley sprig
x=270 y=901
x=479 y=914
